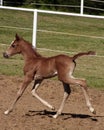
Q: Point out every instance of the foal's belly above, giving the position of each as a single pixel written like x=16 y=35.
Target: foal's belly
x=45 y=75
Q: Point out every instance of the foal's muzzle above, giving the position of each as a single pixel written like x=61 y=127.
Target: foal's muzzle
x=5 y=55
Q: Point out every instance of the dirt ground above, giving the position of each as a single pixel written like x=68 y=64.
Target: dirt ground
x=30 y=114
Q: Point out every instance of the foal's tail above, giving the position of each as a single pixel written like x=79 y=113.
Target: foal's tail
x=83 y=53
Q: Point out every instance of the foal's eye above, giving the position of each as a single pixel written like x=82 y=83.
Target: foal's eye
x=13 y=45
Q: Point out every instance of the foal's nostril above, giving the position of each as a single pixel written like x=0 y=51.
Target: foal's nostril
x=5 y=55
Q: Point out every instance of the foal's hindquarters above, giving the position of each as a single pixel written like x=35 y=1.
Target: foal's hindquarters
x=65 y=75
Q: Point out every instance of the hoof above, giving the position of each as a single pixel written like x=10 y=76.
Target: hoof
x=55 y=116
x=6 y=112
x=53 y=108
x=94 y=112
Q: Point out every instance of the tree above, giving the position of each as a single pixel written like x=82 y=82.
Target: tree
x=44 y=4
x=14 y=2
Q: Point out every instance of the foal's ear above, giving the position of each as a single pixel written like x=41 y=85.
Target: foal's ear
x=17 y=37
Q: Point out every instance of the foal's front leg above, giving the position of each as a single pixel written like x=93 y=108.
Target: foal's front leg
x=35 y=87
x=19 y=94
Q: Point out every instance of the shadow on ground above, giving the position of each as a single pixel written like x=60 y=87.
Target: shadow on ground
x=65 y=116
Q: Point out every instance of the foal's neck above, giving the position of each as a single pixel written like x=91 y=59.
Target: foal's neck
x=28 y=52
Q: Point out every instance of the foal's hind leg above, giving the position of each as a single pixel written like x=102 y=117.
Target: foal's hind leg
x=88 y=101
x=35 y=87
x=83 y=84
x=67 y=91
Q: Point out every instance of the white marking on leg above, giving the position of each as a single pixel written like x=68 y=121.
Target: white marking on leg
x=88 y=102
x=6 y=112
x=40 y=99
x=61 y=106
x=92 y=110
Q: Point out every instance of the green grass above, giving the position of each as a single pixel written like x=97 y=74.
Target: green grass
x=90 y=68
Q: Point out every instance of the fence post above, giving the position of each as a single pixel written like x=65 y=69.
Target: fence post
x=82 y=7
x=34 y=28
x=1 y=2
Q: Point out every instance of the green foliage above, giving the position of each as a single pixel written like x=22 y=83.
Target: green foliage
x=13 y=2
x=44 y=4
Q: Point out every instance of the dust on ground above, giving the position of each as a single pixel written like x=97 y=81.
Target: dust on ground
x=30 y=114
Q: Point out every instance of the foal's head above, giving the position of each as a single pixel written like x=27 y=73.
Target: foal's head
x=14 y=47
x=19 y=45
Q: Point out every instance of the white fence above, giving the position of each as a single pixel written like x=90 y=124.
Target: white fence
x=1 y=2
x=35 y=11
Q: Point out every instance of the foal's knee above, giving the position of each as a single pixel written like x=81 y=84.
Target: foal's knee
x=84 y=84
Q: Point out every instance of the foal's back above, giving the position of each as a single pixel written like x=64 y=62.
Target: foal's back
x=51 y=66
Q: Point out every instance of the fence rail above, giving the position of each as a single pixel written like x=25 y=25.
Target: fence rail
x=36 y=11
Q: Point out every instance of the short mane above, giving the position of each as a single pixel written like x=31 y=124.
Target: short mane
x=36 y=53
x=33 y=49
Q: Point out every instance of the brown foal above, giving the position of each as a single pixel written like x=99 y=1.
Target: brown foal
x=38 y=68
